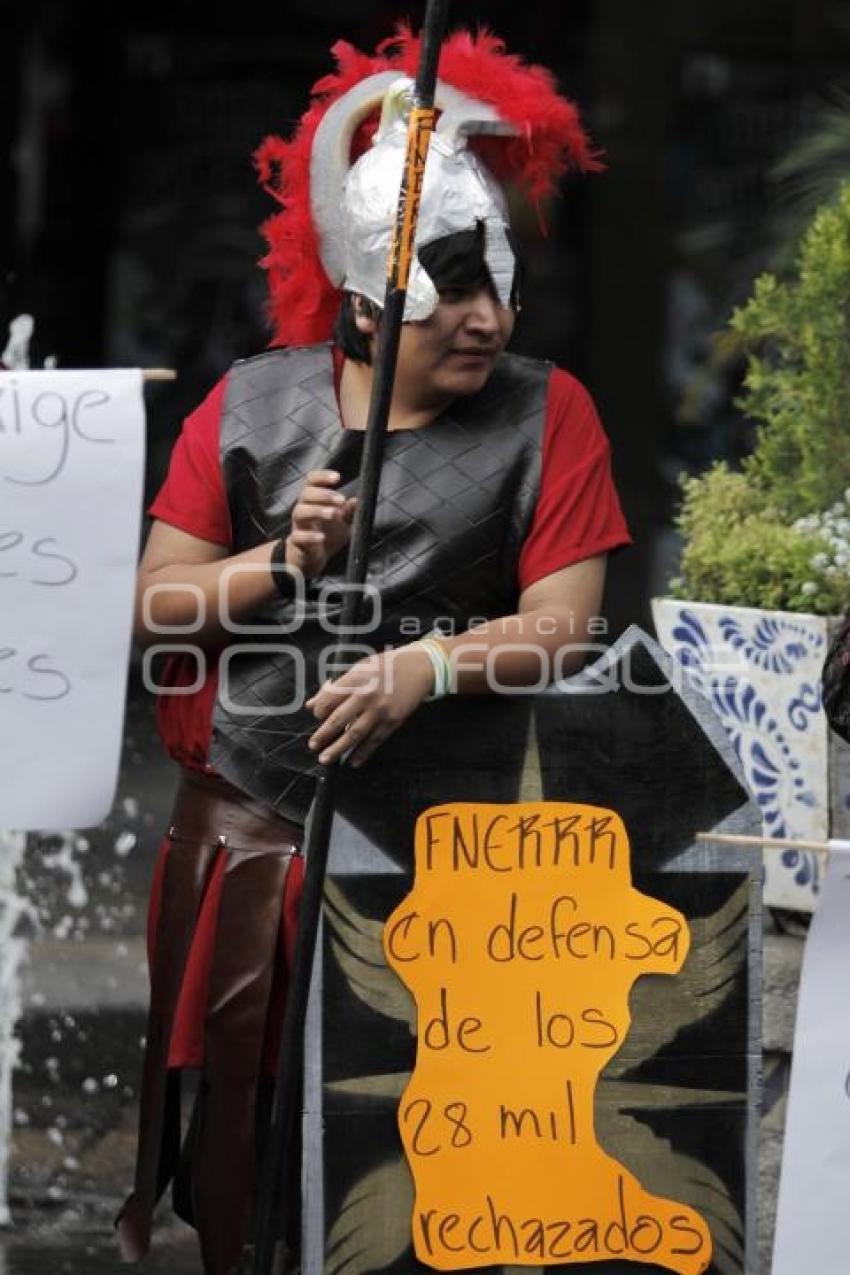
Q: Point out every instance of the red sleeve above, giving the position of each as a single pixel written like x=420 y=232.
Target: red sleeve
x=192 y=497
x=578 y=513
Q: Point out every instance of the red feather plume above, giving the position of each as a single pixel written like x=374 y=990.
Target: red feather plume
x=303 y=303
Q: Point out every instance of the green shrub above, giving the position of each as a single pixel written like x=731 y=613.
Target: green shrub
x=741 y=552
x=777 y=534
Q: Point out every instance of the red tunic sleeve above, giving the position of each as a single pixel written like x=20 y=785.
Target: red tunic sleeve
x=193 y=498
x=578 y=513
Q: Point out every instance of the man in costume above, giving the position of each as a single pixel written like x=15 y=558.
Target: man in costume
x=496 y=511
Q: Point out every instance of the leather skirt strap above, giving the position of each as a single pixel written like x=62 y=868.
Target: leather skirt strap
x=211 y=819
x=184 y=882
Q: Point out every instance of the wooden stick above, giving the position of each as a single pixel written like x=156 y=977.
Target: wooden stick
x=772 y=843
x=148 y=373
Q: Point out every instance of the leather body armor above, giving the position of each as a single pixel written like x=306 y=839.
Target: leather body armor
x=455 y=504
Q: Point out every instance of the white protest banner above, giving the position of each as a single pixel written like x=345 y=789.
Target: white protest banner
x=813 y=1219
x=71 y=468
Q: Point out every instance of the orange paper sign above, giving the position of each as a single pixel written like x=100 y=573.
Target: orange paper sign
x=520 y=942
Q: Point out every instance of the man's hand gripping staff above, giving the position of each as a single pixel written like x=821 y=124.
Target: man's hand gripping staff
x=321 y=523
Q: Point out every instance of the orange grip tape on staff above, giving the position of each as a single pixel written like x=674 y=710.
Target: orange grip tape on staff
x=420 y=128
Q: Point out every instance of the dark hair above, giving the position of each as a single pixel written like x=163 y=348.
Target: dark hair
x=354 y=343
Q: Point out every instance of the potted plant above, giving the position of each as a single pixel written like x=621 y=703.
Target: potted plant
x=765 y=568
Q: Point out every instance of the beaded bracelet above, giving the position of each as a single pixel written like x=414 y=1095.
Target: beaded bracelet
x=441 y=664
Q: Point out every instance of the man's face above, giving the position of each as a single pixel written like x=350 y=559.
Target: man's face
x=453 y=352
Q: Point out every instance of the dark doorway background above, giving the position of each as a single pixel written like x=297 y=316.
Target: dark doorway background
x=129 y=209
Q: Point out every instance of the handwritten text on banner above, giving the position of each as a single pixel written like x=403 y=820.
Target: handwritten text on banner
x=520 y=941
x=71 y=467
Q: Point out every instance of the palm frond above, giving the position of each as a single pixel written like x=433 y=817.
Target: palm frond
x=811 y=174
x=390 y=1085
x=661 y=1005
x=674 y=1176
x=357 y=944
x=372 y=1229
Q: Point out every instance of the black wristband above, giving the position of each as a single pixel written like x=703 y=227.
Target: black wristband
x=282 y=573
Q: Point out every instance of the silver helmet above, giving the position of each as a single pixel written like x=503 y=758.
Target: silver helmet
x=354 y=207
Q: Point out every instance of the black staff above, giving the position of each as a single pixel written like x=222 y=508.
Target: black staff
x=277 y=1164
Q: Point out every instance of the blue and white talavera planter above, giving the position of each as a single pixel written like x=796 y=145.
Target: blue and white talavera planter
x=761 y=672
